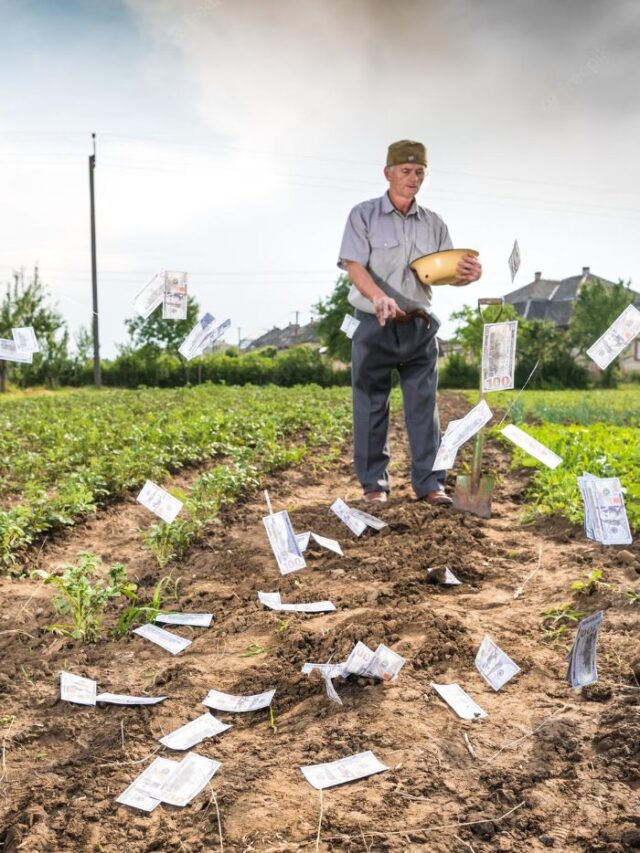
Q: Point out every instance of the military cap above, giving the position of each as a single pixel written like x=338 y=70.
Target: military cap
x=406 y=151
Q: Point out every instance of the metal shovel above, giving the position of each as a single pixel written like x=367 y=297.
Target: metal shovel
x=473 y=491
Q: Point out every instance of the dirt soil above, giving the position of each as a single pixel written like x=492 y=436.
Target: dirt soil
x=549 y=768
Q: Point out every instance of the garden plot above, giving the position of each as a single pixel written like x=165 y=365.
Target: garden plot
x=546 y=764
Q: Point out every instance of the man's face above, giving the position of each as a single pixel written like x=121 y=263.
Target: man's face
x=405 y=180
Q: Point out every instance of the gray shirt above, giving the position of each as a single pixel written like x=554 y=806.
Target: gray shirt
x=385 y=242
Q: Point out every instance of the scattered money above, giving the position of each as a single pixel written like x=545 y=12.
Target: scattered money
x=189 y=778
x=605 y=515
x=193 y=732
x=76 y=688
x=170 y=642
x=386 y=664
x=174 y=305
x=283 y=542
x=531 y=446
x=344 y=770
x=152 y=779
x=195 y=341
x=147 y=300
x=303 y=540
x=10 y=352
x=345 y=514
x=359 y=660
x=331 y=670
x=514 y=260
x=122 y=699
x=447 y=575
x=460 y=431
x=25 y=339
x=619 y=334
x=332 y=693
x=349 y=325
x=494 y=665
x=582 y=668
x=499 y=355
x=159 y=502
x=461 y=702
x=369 y=520
x=238 y=704
x=274 y=602
x=196 y=620
x=136 y=799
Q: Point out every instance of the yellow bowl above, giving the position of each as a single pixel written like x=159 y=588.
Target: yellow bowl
x=440 y=267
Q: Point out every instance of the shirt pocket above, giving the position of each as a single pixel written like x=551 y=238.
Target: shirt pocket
x=424 y=245
x=386 y=255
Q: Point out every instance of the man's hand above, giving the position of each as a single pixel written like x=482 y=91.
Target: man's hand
x=386 y=309
x=469 y=268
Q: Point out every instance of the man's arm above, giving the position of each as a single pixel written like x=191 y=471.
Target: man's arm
x=386 y=307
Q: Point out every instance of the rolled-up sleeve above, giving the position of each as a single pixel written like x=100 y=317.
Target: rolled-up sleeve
x=355 y=241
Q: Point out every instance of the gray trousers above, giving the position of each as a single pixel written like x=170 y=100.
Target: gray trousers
x=411 y=347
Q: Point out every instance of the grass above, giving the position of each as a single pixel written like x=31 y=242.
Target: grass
x=619 y=406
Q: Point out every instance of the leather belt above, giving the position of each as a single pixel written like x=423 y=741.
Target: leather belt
x=414 y=315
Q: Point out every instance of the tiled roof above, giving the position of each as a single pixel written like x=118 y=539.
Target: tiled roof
x=548 y=299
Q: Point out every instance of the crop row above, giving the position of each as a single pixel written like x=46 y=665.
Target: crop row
x=64 y=455
x=600 y=449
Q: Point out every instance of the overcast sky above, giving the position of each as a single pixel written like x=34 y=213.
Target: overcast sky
x=234 y=136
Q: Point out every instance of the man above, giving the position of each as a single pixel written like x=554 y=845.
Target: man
x=397 y=329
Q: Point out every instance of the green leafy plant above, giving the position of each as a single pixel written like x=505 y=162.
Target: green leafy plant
x=137 y=613
x=556 y=619
x=83 y=595
x=592 y=584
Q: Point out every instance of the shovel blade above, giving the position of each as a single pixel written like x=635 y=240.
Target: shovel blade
x=476 y=501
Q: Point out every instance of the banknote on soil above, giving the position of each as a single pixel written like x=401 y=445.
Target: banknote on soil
x=344 y=770
x=76 y=688
x=582 y=668
x=236 y=704
x=168 y=641
x=461 y=702
x=206 y=725
x=494 y=665
x=283 y=542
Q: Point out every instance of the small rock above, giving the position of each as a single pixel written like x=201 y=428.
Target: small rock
x=626 y=557
x=337 y=573
x=547 y=840
x=505 y=844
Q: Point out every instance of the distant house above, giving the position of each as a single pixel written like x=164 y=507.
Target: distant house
x=288 y=337
x=552 y=299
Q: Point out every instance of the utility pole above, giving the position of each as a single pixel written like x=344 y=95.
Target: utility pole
x=297 y=327
x=239 y=337
x=97 y=373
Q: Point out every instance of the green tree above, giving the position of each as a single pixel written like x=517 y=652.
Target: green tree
x=331 y=315
x=596 y=307
x=154 y=333
x=539 y=341
x=25 y=303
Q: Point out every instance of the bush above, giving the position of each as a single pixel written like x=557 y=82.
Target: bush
x=301 y=365
x=457 y=372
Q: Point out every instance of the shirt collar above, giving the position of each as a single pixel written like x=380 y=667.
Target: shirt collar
x=387 y=207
